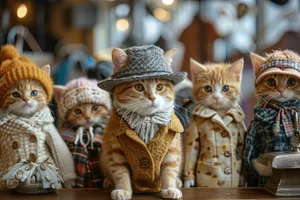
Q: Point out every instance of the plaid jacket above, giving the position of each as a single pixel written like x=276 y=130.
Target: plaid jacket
x=261 y=139
x=86 y=160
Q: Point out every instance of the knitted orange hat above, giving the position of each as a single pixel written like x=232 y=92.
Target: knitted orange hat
x=14 y=68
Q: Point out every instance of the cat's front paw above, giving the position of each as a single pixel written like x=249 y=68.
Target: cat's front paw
x=119 y=194
x=189 y=183
x=171 y=193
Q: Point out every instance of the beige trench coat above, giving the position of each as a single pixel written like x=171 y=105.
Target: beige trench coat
x=214 y=147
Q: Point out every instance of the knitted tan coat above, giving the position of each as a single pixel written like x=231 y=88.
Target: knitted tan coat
x=137 y=153
x=214 y=147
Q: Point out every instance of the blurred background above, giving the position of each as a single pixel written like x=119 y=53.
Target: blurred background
x=76 y=36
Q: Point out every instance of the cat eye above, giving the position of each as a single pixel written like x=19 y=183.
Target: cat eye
x=34 y=93
x=16 y=94
x=95 y=108
x=77 y=111
x=225 y=88
x=271 y=82
x=159 y=87
x=207 y=88
x=291 y=82
x=139 y=87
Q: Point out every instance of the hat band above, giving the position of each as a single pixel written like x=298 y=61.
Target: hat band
x=281 y=64
x=123 y=75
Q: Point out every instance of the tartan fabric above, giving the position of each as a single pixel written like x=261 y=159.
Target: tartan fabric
x=86 y=159
x=279 y=63
x=260 y=137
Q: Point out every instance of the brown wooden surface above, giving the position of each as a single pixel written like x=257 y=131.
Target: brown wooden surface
x=188 y=194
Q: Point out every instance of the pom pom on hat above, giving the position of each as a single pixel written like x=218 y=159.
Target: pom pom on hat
x=8 y=52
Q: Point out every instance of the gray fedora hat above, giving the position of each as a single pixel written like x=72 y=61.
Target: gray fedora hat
x=144 y=62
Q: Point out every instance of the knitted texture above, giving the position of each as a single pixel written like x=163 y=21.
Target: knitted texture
x=138 y=154
x=83 y=90
x=14 y=68
x=143 y=62
x=280 y=62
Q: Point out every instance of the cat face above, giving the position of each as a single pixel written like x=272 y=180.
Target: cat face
x=86 y=115
x=25 y=98
x=279 y=88
x=145 y=97
x=217 y=86
x=276 y=87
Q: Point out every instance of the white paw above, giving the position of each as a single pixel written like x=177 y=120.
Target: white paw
x=119 y=194
x=171 y=193
x=189 y=183
x=108 y=183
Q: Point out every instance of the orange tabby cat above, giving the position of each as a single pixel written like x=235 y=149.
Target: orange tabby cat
x=127 y=167
x=214 y=139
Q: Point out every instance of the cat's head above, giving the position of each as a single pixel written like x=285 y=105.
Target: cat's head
x=145 y=96
x=217 y=86
x=277 y=82
x=87 y=114
x=25 y=97
x=82 y=103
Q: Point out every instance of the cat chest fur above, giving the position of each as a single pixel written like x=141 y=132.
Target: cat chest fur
x=144 y=159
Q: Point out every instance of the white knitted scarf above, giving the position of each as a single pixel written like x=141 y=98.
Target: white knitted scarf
x=145 y=126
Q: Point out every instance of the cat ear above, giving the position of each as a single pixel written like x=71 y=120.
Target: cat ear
x=237 y=68
x=46 y=68
x=59 y=92
x=196 y=69
x=119 y=59
x=169 y=56
x=257 y=61
x=2 y=81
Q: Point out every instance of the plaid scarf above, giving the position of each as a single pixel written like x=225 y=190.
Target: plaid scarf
x=145 y=126
x=279 y=114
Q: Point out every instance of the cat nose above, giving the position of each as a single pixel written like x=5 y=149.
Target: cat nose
x=25 y=99
x=216 y=97
x=152 y=98
x=281 y=90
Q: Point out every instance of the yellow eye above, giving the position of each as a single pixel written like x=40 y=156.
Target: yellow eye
x=139 y=87
x=159 y=87
x=77 y=111
x=95 y=108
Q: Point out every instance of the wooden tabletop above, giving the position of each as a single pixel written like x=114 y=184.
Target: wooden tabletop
x=188 y=194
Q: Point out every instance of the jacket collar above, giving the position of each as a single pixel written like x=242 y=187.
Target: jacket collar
x=234 y=114
x=44 y=116
x=119 y=126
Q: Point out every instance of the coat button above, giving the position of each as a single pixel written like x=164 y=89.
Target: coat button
x=19 y=174
x=15 y=145
x=145 y=163
x=224 y=134
x=43 y=167
x=32 y=157
x=227 y=171
x=32 y=139
x=227 y=154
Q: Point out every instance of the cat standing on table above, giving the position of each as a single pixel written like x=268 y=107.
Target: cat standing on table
x=215 y=137
x=84 y=108
x=142 y=143
x=33 y=156
x=277 y=84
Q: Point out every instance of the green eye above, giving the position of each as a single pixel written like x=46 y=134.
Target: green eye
x=271 y=82
x=139 y=87
x=77 y=111
x=159 y=87
x=16 y=95
x=95 y=108
x=291 y=82
x=207 y=89
x=34 y=93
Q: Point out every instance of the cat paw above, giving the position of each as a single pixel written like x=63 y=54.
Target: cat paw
x=171 y=193
x=189 y=183
x=108 y=183
x=119 y=194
